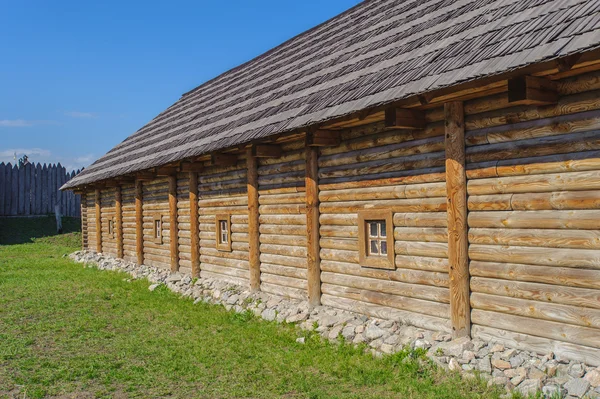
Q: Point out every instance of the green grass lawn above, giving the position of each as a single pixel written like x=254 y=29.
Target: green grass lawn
x=67 y=331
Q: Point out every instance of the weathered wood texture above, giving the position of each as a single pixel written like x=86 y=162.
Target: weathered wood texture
x=173 y=228
x=156 y=203
x=84 y=222
x=401 y=170
x=90 y=201
x=184 y=252
x=222 y=190
x=139 y=222
x=129 y=232
x=312 y=227
x=118 y=234
x=534 y=218
x=194 y=229
x=107 y=205
x=456 y=188
x=282 y=198
x=34 y=190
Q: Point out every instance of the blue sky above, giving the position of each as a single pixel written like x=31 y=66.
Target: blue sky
x=78 y=77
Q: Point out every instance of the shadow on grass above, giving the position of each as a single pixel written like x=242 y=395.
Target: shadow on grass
x=23 y=230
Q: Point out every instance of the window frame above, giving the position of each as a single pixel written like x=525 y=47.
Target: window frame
x=376 y=261
x=157 y=238
x=223 y=246
x=112 y=222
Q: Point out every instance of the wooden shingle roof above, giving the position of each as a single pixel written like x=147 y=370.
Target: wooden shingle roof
x=376 y=53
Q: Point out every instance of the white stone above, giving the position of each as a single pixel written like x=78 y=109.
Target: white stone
x=577 y=387
x=153 y=287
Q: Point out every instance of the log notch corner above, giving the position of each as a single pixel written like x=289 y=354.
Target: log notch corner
x=456 y=188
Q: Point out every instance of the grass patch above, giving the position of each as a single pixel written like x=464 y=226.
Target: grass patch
x=68 y=330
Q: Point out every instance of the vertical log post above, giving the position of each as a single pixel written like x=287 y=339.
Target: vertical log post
x=98 y=223
x=84 y=225
x=119 y=221
x=173 y=231
x=456 y=188
x=312 y=227
x=194 y=225
x=139 y=222
x=253 y=223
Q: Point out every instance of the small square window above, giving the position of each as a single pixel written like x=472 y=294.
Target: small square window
x=157 y=229
x=223 y=232
x=376 y=239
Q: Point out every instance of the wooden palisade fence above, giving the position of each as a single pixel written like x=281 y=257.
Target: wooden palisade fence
x=33 y=189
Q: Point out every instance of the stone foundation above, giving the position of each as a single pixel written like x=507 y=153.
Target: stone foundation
x=522 y=371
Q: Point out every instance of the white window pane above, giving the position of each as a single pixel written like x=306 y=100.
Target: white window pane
x=384 y=247
x=373 y=229
x=374 y=247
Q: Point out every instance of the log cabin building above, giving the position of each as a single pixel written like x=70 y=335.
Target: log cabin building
x=433 y=162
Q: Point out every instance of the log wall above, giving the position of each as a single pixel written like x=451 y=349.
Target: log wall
x=128 y=199
x=222 y=190
x=107 y=212
x=156 y=202
x=398 y=170
x=282 y=222
x=534 y=208
x=533 y=201
x=90 y=209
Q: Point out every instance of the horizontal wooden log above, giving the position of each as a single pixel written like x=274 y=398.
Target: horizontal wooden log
x=577 y=239
x=539 y=345
x=541 y=328
x=418 y=306
x=573 y=181
x=224 y=262
x=543 y=256
x=280 y=199
x=401 y=205
x=422 y=234
x=281 y=239
x=299 y=220
x=284 y=292
x=283 y=270
x=339 y=255
x=283 y=260
x=283 y=281
x=338 y=231
x=417 y=219
x=580 y=219
x=242 y=282
x=285 y=209
x=429 y=293
x=338 y=220
x=555 y=163
x=538 y=292
x=562 y=200
x=428 y=175
x=339 y=243
x=584 y=317
x=581 y=278
x=388 y=313
x=282 y=230
x=386 y=192
x=401 y=275
x=287 y=250
x=422 y=263
x=427 y=249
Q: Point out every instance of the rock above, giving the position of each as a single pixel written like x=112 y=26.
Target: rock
x=516 y=361
x=359 y=339
x=468 y=356
x=359 y=329
x=501 y=364
x=374 y=332
x=576 y=370
x=551 y=369
x=453 y=365
x=507 y=354
x=553 y=391
x=497 y=348
x=233 y=299
x=577 y=387
x=535 y=373
x=422 y=344
x=529 y=387
x=457 y=347
x=348 y=333
x=593 y=377
x=387 y=348
x=392 y=340
x=296 y=318
x=153 y=287
x=376 y=344
x=335 y=333
x=328 y=321
x=485 y=365
x=269 y=314
x=497 y=381
x=301 y=340
x=516 y=380
x=173 y=278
